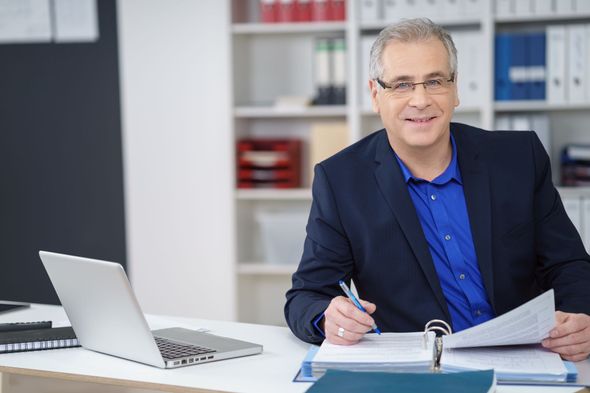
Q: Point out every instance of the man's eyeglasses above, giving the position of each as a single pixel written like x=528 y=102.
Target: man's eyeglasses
x=432 y=86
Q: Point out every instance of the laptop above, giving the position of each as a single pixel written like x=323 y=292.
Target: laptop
x=106 y=317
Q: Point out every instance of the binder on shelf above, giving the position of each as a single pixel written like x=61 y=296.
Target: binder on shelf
x=504 y=8
x=582 y=6
x=322 y=77
x=556 y=66
x=286 y=11
x=303 y=10
x=500 y=343
x=523 y=8
x=38 y=339
x=536 y=46
x=268 y=11
x=518 y=72
x=576 y=58
x=397 y=9
x=338 y=71
x=365 y=51
x=337 y=10
x=431 y=9
x=543 y=7
x=269 y=163
x=502 y=61
x=565 y=6
x=451 y=8
x=320 y=10
x=468 y=46
x=370 y=10
x=473 y=8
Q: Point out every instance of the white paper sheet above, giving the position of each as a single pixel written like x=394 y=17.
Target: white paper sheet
x=384 y=348
x=508 y=362
x=76 y=20
x=25 y=21
x=527 y=324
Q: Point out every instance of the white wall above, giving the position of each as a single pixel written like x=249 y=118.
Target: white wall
x=176 y=111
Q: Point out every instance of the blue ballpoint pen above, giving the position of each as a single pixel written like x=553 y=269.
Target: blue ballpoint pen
x=353 y=298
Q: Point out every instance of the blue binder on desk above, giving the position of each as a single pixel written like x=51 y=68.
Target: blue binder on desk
x=377 y=382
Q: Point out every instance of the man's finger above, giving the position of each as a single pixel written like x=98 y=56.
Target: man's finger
x=348 y=309
x=569 y=323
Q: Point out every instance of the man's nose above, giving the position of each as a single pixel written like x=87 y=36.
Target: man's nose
x=419 y=97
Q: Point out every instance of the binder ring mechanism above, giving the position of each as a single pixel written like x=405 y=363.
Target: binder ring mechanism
x=440 y=327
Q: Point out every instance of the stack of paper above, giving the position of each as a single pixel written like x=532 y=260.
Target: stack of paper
x=407 y=352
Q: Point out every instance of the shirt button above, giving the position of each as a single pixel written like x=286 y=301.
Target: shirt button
x=461 y=276
x=433 y=197
x=447 y=237
x=478 y=312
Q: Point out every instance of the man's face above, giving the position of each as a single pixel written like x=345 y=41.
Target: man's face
x=415 y=119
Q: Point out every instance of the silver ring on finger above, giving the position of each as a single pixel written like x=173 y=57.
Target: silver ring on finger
x=341 y=332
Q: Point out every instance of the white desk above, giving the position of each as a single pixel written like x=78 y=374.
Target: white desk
x=271 y=371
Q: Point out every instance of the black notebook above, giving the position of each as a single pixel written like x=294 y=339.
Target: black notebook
x=38 y=339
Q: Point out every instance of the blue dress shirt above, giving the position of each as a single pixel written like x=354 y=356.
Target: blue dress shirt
x=440 y=205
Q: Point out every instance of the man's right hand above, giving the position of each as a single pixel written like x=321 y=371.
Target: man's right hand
x=344 y=315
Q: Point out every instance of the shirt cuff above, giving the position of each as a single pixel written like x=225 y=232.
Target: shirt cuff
x=316 y=324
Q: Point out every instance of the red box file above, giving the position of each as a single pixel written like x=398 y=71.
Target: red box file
x=286 y=11
x=272 y=163
x=320 y=10
x=303 y=10
x=337 y=9
x=268 y=11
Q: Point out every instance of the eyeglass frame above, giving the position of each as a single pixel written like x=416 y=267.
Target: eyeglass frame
x=423 y=83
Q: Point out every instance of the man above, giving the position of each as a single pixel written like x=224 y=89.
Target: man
x=433 y=219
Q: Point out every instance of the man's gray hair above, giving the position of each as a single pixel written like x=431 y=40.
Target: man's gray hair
x=410 y=30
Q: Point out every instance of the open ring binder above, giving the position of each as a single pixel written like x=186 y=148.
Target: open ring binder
x=445 y=329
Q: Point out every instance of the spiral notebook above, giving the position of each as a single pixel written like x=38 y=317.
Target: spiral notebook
x=38 y=339
x=509 y=344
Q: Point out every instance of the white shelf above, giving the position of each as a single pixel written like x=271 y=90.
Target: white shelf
x=542 y=18
x=288 y=28
x=249 y=268
x=268 y=194
x=273 y=112
x=575 y=192
x=449 y=23
x=537 y=105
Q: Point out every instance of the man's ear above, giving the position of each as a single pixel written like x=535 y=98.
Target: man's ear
x=374 y=89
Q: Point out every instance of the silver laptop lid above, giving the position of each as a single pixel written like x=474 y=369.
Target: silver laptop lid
x=102 y=307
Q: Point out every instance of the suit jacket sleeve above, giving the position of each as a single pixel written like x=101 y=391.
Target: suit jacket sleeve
x=327 y=258
x=563 y=263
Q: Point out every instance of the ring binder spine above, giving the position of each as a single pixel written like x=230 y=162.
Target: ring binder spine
x=438 y=343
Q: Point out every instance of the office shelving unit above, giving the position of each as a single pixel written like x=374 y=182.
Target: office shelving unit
x=271 y=60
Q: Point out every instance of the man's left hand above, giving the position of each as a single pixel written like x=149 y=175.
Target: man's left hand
x=570 y=337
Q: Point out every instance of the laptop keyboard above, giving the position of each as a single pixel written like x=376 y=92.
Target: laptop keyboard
x=173 y=350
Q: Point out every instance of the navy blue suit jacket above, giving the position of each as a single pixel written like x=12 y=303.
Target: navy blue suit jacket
x=363 y=226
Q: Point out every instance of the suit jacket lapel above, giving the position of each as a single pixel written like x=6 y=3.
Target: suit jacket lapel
x=476 y=187
x=395 y=191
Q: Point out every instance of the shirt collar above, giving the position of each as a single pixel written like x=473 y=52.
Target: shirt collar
x=451 y=173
